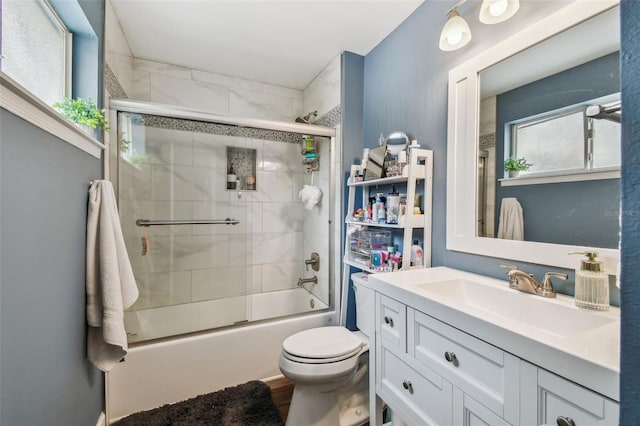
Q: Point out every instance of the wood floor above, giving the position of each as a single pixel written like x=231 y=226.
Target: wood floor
x=281 y=392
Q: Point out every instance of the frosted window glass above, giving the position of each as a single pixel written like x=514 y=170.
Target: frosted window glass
x=606 y=143
x=33 y=46
x=554 y=144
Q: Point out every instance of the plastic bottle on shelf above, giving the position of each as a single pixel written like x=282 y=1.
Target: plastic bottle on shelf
x=375 y=209
x=382 y=214
x=416 y=254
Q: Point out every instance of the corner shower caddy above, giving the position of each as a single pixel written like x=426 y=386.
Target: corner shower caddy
x=420 y=175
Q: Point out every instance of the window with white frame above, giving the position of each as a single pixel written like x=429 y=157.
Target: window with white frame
x=36 y=48
x=569 y=140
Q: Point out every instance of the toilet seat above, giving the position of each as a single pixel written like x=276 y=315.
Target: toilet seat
x=322 y=345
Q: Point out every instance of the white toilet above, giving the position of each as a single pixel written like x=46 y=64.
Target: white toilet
x=330 y=368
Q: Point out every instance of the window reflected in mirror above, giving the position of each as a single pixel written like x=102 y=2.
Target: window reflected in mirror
x=556 y=108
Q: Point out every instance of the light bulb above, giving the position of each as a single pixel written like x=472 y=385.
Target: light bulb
x=454 y=38
x=498 y=8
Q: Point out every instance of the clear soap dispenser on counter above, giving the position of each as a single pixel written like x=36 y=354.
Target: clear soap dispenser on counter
x=592 y=283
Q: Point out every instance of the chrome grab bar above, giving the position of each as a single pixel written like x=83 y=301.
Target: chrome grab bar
x=148 y=222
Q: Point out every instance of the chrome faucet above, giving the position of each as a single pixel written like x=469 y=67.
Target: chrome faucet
x=522 y=281
x=313 y=280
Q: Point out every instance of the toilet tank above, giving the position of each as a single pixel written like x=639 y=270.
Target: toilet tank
x=365 y=304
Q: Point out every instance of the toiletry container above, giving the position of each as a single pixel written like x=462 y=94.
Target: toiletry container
x=393 y=206
x=592 y=284
x=231 y=178
x=416 y=254
x=382 y=214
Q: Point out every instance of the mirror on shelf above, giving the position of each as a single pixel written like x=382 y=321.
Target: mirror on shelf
x=550 y=96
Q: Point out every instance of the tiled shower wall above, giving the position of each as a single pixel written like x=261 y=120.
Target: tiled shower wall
x=188 y=263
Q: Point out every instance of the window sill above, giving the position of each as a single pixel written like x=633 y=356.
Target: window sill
x=555 y=178
x=19 y=101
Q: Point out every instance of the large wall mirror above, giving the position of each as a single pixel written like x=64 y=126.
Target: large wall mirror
x=550 y=97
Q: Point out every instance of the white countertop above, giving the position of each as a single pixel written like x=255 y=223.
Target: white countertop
x=580 y=345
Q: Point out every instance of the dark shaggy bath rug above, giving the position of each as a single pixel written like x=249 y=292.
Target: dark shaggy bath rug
x=242 y=405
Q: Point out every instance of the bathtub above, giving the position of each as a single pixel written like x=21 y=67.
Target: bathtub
x=169 y=371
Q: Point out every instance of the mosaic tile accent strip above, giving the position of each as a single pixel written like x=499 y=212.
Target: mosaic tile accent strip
x=331 y=118
x=488 y=141
x=219 y=129
x=112 y=84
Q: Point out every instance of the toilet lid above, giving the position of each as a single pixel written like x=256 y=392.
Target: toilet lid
x=323 y=342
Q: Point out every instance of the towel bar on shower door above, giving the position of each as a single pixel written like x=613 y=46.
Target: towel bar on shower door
x=148 y=222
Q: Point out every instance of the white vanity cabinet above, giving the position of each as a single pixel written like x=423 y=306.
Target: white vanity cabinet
x=431 y=373
x=550 y=399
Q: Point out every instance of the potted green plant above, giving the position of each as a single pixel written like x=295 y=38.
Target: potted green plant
x=515 y=165
x=83 y=112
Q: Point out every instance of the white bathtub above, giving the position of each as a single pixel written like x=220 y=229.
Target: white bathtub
x=173 y=370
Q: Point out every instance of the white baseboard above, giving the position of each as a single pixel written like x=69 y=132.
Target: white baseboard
x=102 y=420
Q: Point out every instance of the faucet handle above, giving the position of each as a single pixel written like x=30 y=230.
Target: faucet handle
x=509 y=266
x=513 y=281
x=546 y=289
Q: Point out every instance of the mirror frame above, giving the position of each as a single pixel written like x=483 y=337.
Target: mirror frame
x=462 y=148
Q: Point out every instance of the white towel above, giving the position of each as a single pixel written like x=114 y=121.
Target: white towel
x=511 y=225
x=111 y=286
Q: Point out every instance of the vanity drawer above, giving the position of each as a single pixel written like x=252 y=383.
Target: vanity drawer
x=548 y=398
x=419 y=398
x=480 y=370
x=391 y=321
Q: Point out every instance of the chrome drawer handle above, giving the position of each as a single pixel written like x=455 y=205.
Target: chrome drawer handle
x=407 y=385
x=388 y=320
x=565 y=421
x=450 y=356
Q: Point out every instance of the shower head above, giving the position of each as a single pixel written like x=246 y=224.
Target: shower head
x=307 y=118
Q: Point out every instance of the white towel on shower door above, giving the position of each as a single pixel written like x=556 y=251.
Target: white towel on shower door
x=511 y=225
x=111 y=286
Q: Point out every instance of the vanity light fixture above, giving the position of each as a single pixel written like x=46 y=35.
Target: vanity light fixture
x=496 y=11
x=456 y=32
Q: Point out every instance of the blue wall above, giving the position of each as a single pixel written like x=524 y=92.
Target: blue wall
x=562 y=213
x=630 y=368
x=405 y=87
x=351 y=98
x=46 y=377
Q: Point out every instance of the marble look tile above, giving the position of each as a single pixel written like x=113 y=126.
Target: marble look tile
x=220 y=283
x=115 y=40
x=197 y=95
x=298 y=108
x=141 y=85
x=163 y=289
x=210 y=150
x=281 y=276
x=248 y=103
x=239 y=250
x=182 y=183
x=182 y=253
x=274 y=187
x=323 y=93
x=162 y=68
x=281 y=157
x=241 y=211
x=282 y=91
x=227 y=81
x=168 y=147
x=122 y=67
x=269 y=248
x=134 y=181
x=283 y=217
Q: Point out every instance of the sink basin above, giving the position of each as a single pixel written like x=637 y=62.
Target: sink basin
x=558 y=317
